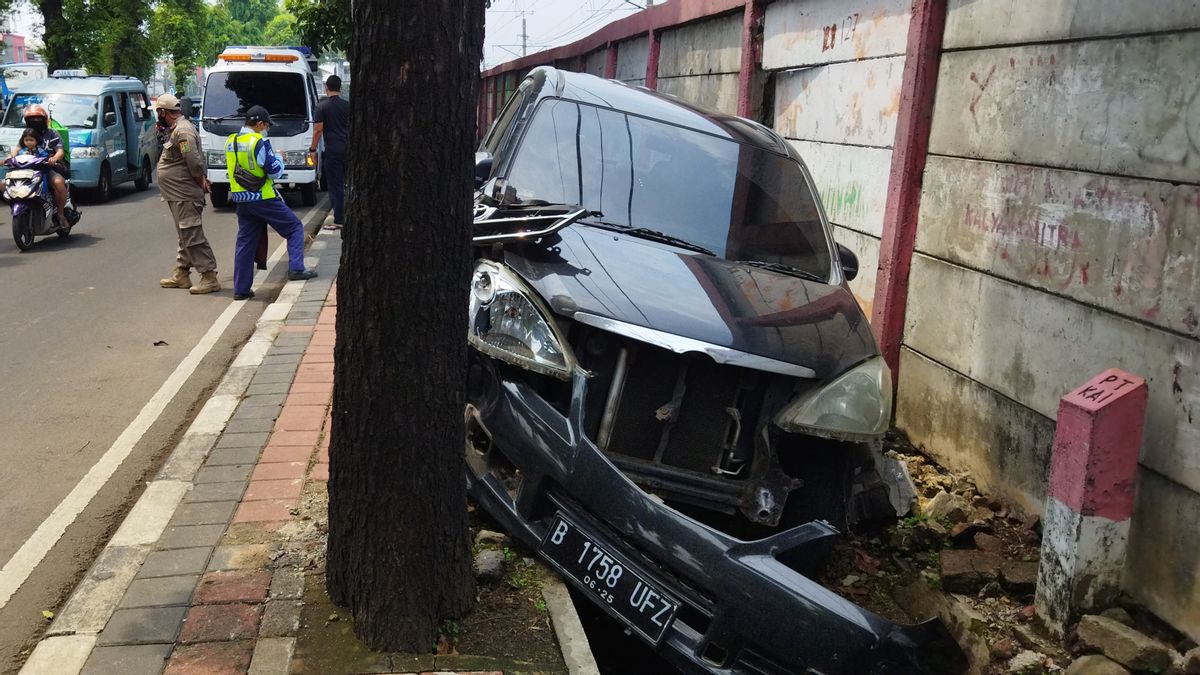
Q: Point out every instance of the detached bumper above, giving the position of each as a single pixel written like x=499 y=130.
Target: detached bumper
x=745 y=609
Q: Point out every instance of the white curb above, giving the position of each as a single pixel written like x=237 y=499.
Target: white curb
x=576 y=651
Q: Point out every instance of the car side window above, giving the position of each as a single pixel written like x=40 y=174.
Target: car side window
x=141 y=112
x=109 y=107
x=507 y=128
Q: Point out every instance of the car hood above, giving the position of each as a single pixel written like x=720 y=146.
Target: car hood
x=611 y=275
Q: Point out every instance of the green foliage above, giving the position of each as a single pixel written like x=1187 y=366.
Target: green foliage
x=282 y=30
x=323 y=25
x=110 y=36
x=177 y=33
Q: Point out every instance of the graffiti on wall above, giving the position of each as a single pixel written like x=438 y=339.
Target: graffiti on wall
x=829 y=33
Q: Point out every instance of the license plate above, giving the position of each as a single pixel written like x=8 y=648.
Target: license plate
x=595 y=569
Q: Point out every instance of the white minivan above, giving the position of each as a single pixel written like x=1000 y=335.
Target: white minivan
x=281 y=80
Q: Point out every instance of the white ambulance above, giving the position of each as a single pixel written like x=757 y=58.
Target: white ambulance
x=282 y=80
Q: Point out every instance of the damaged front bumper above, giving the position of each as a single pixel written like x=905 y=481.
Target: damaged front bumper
x=741 y=606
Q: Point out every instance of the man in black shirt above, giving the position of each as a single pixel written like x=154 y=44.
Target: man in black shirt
x=333 y=123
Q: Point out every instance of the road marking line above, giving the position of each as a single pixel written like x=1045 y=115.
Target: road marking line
x=30 y=555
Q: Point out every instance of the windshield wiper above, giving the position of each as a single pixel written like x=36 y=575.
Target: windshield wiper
x=222 y=118
x=647 y=233
x=784 y=269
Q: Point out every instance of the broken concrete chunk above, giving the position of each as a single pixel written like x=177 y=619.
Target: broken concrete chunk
x=1122 y=644
x=1019 y=577
x=1027 y=662
x=987 y=542
x=489 y=565
x=946 y=506
x=1095 y=664
x=968 y=571
x=1119 y=615
x=488 y=538
x=1004 y=649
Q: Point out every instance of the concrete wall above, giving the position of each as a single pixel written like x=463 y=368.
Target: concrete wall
x=1059 y=235
x=837 y=67
x=699 y=62
x=631 y=60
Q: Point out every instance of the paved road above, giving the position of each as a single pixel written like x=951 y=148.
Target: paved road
x=86 y=339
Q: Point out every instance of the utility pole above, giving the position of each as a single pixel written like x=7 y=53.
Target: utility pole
x=524 y=38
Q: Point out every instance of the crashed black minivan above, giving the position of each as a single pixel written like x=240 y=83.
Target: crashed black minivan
x=673 y=395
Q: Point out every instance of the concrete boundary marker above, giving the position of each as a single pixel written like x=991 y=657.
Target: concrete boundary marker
x=573 y=642
x=71 y=637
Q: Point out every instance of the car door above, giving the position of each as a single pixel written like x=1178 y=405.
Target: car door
x=114 y=139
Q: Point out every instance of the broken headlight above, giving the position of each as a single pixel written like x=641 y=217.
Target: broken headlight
x=508 y=322
x=855 y=406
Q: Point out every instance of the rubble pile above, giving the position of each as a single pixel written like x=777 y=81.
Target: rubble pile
x=973 y=560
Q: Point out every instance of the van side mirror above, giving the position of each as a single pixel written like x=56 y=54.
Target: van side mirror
x=110 y=118
x=849 y=262
x=483 y=168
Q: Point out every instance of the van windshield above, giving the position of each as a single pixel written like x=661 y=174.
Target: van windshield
x=70 y=110
x=229 y=94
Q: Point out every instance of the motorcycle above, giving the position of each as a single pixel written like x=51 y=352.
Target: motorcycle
x=29 y=194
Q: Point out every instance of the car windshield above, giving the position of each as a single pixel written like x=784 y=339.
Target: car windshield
x=70 y=110
x=738 y=201
x=229 y=94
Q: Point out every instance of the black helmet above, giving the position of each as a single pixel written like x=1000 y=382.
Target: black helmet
x=257 y=114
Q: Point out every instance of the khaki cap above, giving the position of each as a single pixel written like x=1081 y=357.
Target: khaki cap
x=166 y=102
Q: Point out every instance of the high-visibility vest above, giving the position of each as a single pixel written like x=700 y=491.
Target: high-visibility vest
x=239 y=151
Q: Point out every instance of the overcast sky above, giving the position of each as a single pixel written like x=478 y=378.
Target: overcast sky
x=548 y=23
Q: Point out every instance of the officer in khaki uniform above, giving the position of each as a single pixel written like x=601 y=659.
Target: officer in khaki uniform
x=182 y=181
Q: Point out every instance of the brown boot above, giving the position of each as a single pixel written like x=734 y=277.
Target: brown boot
x=208 y=284
x=180 y=278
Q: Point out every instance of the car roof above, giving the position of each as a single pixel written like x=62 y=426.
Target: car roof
x=644 y=102
x=79 y=85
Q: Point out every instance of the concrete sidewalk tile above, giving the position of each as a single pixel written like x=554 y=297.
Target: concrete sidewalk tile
x=290 y=328
x=313 y=387
x=286 y=453
x=211 y=658
x=274 y=489
x=315 y=369
x=318 y=357
x=279 y=471
x=309 y=438
x=287 y=584
x=160 y=592
x=234 y=440
x=235 y=381
x=91 y=605
x=320 y=471
x=128 y=660
x=224 y=474
x=300 y=418
x=214 y=414
x=286 y=368
x=231 y=456
x=220 y=623
x=267 y=399
x=271 y=388
x=58 y=655
x=287 y=349
x=245 y=426
x=265 y=510
x=206 y=513
x=314 y=378
x=272 y=656
x=175 y=562
x=270 y=378
x=258 y=412
x=281 y=618
x=216 y=492
x=323 y=453
x=241 y=557
x=187 y=456
x=142 y=626
x=300 y=398
x=293 y=339
x=319 y=339
x=233 y=586
x=190 y=536
x=148 y=517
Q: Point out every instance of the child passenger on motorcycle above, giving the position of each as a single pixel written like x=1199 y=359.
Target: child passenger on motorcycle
x=30 y=145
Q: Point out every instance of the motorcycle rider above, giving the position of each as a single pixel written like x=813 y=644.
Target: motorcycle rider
x=38 y=119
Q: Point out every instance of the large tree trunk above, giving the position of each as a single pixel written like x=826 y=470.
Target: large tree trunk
x=399 y=545
x=56 y=36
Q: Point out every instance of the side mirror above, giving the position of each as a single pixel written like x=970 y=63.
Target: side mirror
x=849 y=262
x=110 y=118
x=483 y=168
x=186 y=106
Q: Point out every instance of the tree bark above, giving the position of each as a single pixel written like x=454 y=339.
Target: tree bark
x=399 y=544
x=56 y=36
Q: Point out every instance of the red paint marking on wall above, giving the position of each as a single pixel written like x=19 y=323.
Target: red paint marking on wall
x=982 y=88
x=828 y=37
x=1052 y=235
x=1083 y=271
